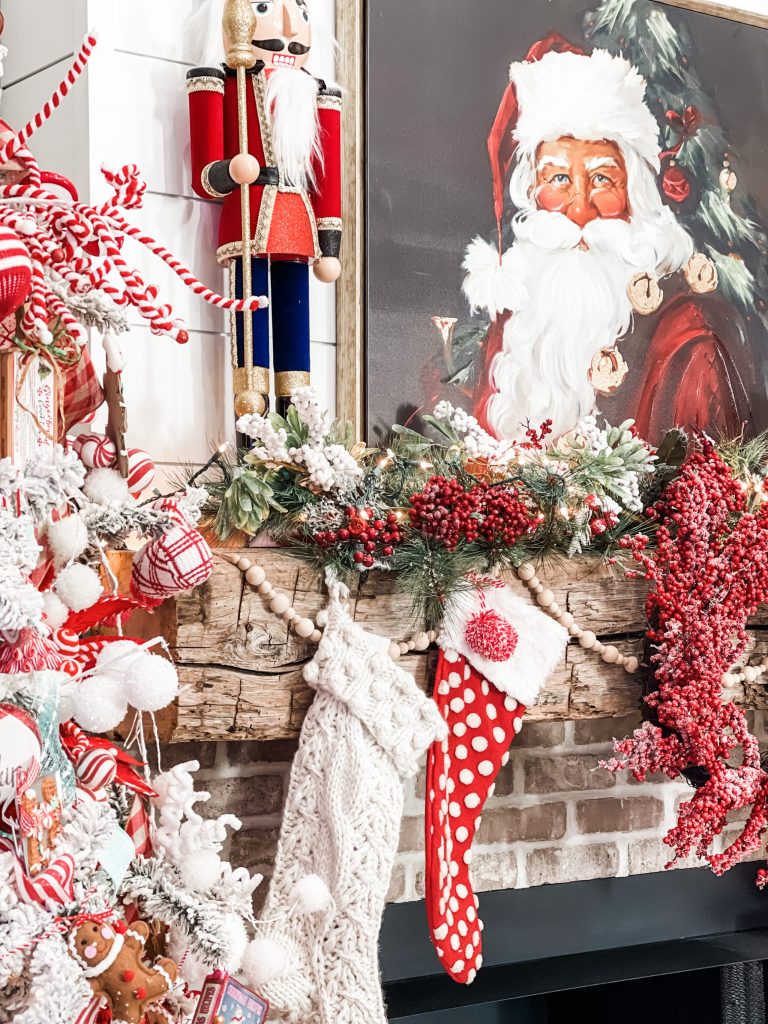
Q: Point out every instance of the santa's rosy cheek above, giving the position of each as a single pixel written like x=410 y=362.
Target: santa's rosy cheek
x=550 y=198
x=610 y=204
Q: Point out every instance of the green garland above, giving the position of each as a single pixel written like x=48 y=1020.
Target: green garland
x=582 y=494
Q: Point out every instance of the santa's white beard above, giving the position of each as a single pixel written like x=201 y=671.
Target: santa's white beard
x=292 y=104
x=569 y=303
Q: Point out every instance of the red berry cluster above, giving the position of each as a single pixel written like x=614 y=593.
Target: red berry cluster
x=367 y=536
x=709 y=571
x=505 y=517
x=536 y=437
x=447 y=512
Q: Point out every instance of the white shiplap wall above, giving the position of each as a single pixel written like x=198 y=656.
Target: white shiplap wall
x=132 y=108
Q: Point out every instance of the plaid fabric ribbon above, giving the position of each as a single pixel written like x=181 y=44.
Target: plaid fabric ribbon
x=82 y=392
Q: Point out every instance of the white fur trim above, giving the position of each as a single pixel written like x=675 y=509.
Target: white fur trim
x=492 y=284
x=540 y=646
x=587 y=97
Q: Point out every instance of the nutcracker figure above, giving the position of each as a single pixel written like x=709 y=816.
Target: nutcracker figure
x=266 y=140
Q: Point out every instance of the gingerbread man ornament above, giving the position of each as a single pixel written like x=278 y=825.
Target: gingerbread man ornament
x=112 y=958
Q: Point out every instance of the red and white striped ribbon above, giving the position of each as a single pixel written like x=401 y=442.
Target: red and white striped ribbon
x=77 y=68
x=54 y=887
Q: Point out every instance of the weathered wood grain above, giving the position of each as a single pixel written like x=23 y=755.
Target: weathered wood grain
x=241 y=668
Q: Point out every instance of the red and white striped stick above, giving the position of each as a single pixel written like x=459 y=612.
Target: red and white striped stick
x=78 y=66
x=189 y=279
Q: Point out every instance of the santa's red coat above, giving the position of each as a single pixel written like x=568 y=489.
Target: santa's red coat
x=690 y=366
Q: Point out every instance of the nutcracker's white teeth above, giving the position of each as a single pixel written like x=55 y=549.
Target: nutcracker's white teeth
x=284 y=58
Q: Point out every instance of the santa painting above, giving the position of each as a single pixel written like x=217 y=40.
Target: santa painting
x=601 y=301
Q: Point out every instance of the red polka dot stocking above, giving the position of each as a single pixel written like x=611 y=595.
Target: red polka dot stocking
x=461 y=772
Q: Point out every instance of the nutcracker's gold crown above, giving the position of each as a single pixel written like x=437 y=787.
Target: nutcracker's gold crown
x=239 y=25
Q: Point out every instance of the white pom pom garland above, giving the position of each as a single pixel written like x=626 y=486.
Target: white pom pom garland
x=153 y=685
x=201 y=870
x=67 y=539
x=106 y=487
x=120 y=659
x=78 y=587
x=56 y=612
x=238 y=941
x=98 y=704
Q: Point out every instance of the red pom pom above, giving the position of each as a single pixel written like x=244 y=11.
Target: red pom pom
x=127 y=975
x=491 y=636
x=140 y=993
x=120 y=927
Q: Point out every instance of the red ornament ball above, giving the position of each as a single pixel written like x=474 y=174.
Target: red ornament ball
x=675 y=184
x=15 y=272
x=491 y=636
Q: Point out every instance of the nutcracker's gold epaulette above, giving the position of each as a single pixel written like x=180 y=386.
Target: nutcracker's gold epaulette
x=206 y=80
x=328 y=97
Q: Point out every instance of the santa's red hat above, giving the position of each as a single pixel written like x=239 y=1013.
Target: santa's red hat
x=559 y=90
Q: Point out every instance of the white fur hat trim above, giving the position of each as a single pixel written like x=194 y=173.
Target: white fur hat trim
x=589 y=97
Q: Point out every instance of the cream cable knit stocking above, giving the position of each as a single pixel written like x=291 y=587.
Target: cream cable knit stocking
x=366 y=730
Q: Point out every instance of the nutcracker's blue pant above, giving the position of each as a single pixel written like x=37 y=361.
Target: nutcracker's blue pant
x=286 y=282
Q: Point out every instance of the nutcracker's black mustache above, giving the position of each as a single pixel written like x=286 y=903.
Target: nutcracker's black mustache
x=277 y=45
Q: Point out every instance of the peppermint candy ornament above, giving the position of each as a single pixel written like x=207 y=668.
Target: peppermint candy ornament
x=141 y=471
x=95 y=451
x=96 y=769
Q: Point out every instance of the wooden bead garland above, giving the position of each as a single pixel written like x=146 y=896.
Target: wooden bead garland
x=746 y=674
x=305 y=628
x=545 y=599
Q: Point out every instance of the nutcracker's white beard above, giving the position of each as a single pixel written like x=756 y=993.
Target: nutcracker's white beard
x=292 y=103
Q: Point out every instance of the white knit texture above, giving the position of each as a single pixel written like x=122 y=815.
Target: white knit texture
x=366 y=730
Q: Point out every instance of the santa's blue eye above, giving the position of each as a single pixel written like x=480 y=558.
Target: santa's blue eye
x=561 y=179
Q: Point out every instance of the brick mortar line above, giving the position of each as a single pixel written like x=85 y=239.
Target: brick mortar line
x=260 y=768
x=576 y=840
x=251 y=822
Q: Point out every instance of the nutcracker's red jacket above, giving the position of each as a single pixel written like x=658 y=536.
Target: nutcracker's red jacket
x=286 y=221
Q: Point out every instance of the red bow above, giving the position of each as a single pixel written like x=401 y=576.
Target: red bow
x=685 y=126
